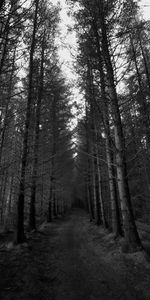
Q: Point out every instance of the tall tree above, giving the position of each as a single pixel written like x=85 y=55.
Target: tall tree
x=20 y=221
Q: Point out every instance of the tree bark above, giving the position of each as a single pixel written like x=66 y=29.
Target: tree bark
x=89 y=202
x=20 y=204
x=96 y=216
x=88 y=180
x=32 y=215
x=100 y=198
x=115 y=211
x=52 y=203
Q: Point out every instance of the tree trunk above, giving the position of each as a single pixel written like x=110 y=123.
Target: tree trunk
x=115 y=211
x=89 y=202
x=96 y=217
x=10 y=195
x=92 y=129
x=32 y=215
x=100 y=199
x=55 y=212
x=90 y=207
x=54 y=141
x=7 y=106
x=20 y=204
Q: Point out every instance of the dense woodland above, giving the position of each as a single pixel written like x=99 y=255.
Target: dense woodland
x=102 y=165
x=36 y=154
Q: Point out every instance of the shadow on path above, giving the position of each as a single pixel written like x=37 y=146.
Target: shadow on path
x=69 y=260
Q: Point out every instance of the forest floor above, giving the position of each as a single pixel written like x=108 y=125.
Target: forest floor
x=72 y=259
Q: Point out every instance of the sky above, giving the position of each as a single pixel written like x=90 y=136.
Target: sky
x=145 y=5
x=66 y=41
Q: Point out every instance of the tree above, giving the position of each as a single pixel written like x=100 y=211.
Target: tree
x=20 y=221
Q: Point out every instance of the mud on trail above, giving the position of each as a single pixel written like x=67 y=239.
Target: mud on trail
x=72 y=259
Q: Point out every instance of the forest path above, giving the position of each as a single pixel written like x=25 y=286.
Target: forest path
x=72 y=259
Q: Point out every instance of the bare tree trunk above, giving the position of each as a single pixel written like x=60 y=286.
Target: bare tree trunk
x=115 y=211
x=7 y=106
x=3 y=191
x=5 y=117
x=55 y=212
x=100 y=199
x=10 y=195
x=88 y=179
x=52 y=204
x=94 y=190
x=89 y=202
x=20 y=204
x=92 y=129
x=32 y=215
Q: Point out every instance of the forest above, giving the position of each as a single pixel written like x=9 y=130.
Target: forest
x=69 y=168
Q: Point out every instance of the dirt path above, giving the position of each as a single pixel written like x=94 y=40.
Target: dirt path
x=72 y=259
